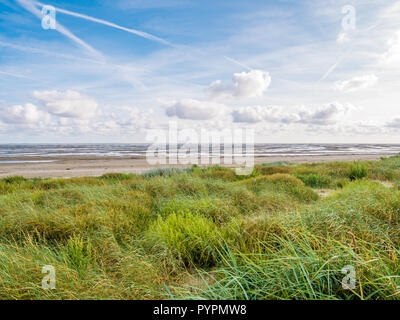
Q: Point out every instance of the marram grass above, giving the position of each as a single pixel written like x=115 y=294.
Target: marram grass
x=284 y=232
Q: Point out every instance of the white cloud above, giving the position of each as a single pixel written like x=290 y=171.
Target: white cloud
x=395 y=123
x=195 y=110
x=69 y=104
x=249 y=114
x=3 y=126
x=244 y=85
x=327 y=114
x=27 y=114
x=137 y=119
x=259 y=114
x=364 y=128
x=357 y=83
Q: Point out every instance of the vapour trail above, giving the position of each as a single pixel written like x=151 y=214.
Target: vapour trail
x=111 y=24
x=15 y=75
x=30 y=6
x=132 y=31
x=238 y=63
x=379 y=22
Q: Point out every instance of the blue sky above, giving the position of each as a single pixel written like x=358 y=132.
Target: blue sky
x=112 y=70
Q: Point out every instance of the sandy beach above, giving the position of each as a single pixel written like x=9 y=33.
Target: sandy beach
x=78 y=166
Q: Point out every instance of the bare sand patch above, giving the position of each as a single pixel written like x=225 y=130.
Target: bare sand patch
x=78 y=166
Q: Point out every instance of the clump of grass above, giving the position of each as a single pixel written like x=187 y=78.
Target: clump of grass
x=368 y=210
x=116 y=176
x=315 y=180
x=218 y=210
x=50 y=227
x=163 y=172
x=357 y=170
x=191 y=238
x=244 y=200
x=300 y=270
x=51 y=184
x=220 y=173
x=79 y=253
x=269 y=170
x=277 y=164
x=6 y=188
x=14 y=180
x=282 y=183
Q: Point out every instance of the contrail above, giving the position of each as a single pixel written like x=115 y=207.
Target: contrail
x=112 y=25
x=333 y=67
x=28 y=5
x=31 y=7
x=122 y=68
x=238 y=63
x=47 y=52
x=116 y=26
x=380 y=20
x=15 y=75
x=330 y=70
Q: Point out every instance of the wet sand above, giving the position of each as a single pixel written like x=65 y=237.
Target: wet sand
x=96 y=166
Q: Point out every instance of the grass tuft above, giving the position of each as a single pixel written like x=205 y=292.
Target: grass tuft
x=357 y=171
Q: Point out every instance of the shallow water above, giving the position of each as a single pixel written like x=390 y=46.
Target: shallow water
x=129 y=150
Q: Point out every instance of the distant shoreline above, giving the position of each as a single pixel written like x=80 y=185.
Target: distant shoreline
x=79 y=166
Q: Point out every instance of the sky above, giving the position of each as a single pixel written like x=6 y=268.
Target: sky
x=319 y=71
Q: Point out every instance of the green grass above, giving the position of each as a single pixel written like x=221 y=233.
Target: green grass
x=314 y=180
x=357 y=171
x=205 y=233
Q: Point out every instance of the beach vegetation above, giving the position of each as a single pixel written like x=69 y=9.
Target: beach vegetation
x=205 y=233
x=357 y=171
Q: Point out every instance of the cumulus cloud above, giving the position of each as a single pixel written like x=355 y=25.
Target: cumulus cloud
x=27 y=114
x=357 y=83
x=137 y=119
x=325 y=115
x=195 y=110
x=258 y=114
x=248 y=115
x=244 y=85
x=353 y=128
x=69 y=104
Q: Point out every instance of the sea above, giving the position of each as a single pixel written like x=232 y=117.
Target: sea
x=20 y=153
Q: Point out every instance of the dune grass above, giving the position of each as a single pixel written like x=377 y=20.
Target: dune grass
x=205 y=233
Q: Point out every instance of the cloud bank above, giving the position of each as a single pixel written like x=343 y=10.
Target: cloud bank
x=325 y=115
